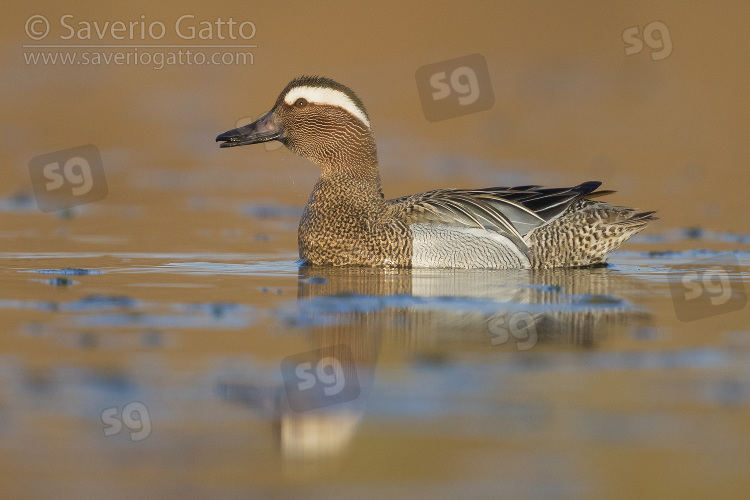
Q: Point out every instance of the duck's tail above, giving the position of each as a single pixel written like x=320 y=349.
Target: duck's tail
x=585 y=233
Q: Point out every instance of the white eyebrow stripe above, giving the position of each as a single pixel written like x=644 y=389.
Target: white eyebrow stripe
x=318 y=95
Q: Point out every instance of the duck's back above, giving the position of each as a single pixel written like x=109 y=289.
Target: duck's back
x=518 y=227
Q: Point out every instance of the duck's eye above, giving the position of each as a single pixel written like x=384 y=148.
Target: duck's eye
x=300 y=103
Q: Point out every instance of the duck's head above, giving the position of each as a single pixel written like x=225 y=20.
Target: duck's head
x=317 y=118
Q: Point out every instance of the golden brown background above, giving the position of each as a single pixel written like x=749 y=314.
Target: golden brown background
x=570 y=105
x=669 y=417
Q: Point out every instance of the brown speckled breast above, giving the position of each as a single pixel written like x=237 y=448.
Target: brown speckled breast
x=345 y=225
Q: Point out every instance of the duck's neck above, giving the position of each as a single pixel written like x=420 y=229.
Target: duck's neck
x=349 y=173
x=349 y=193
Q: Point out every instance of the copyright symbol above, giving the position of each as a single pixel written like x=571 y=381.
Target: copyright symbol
x=37 y=27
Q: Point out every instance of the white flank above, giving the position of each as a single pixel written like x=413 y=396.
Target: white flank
x=331 y=97
x=438 y=245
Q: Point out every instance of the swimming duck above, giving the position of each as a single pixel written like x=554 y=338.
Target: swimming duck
x=349 y=222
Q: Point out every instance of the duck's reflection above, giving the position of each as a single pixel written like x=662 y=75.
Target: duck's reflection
x=349 y=314
x=518 y=309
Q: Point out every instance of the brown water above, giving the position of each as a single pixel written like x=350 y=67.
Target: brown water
x=154 y=340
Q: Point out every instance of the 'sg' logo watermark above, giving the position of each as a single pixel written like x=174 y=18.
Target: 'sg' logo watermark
x=327 y=371
x=454 y=88
x=320 y=378
x=37 y=27
x=64 y=179
x=519 y=326
x=134 y=416
x=463 y=81
x=709 y=287
x=655 y=35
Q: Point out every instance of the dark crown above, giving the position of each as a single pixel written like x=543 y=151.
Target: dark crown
x=323 y=82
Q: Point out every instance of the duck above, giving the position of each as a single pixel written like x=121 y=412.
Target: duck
x=349 y=222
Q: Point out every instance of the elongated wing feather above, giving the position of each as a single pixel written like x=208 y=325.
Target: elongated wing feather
x=455 y=208
x=511 y=211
